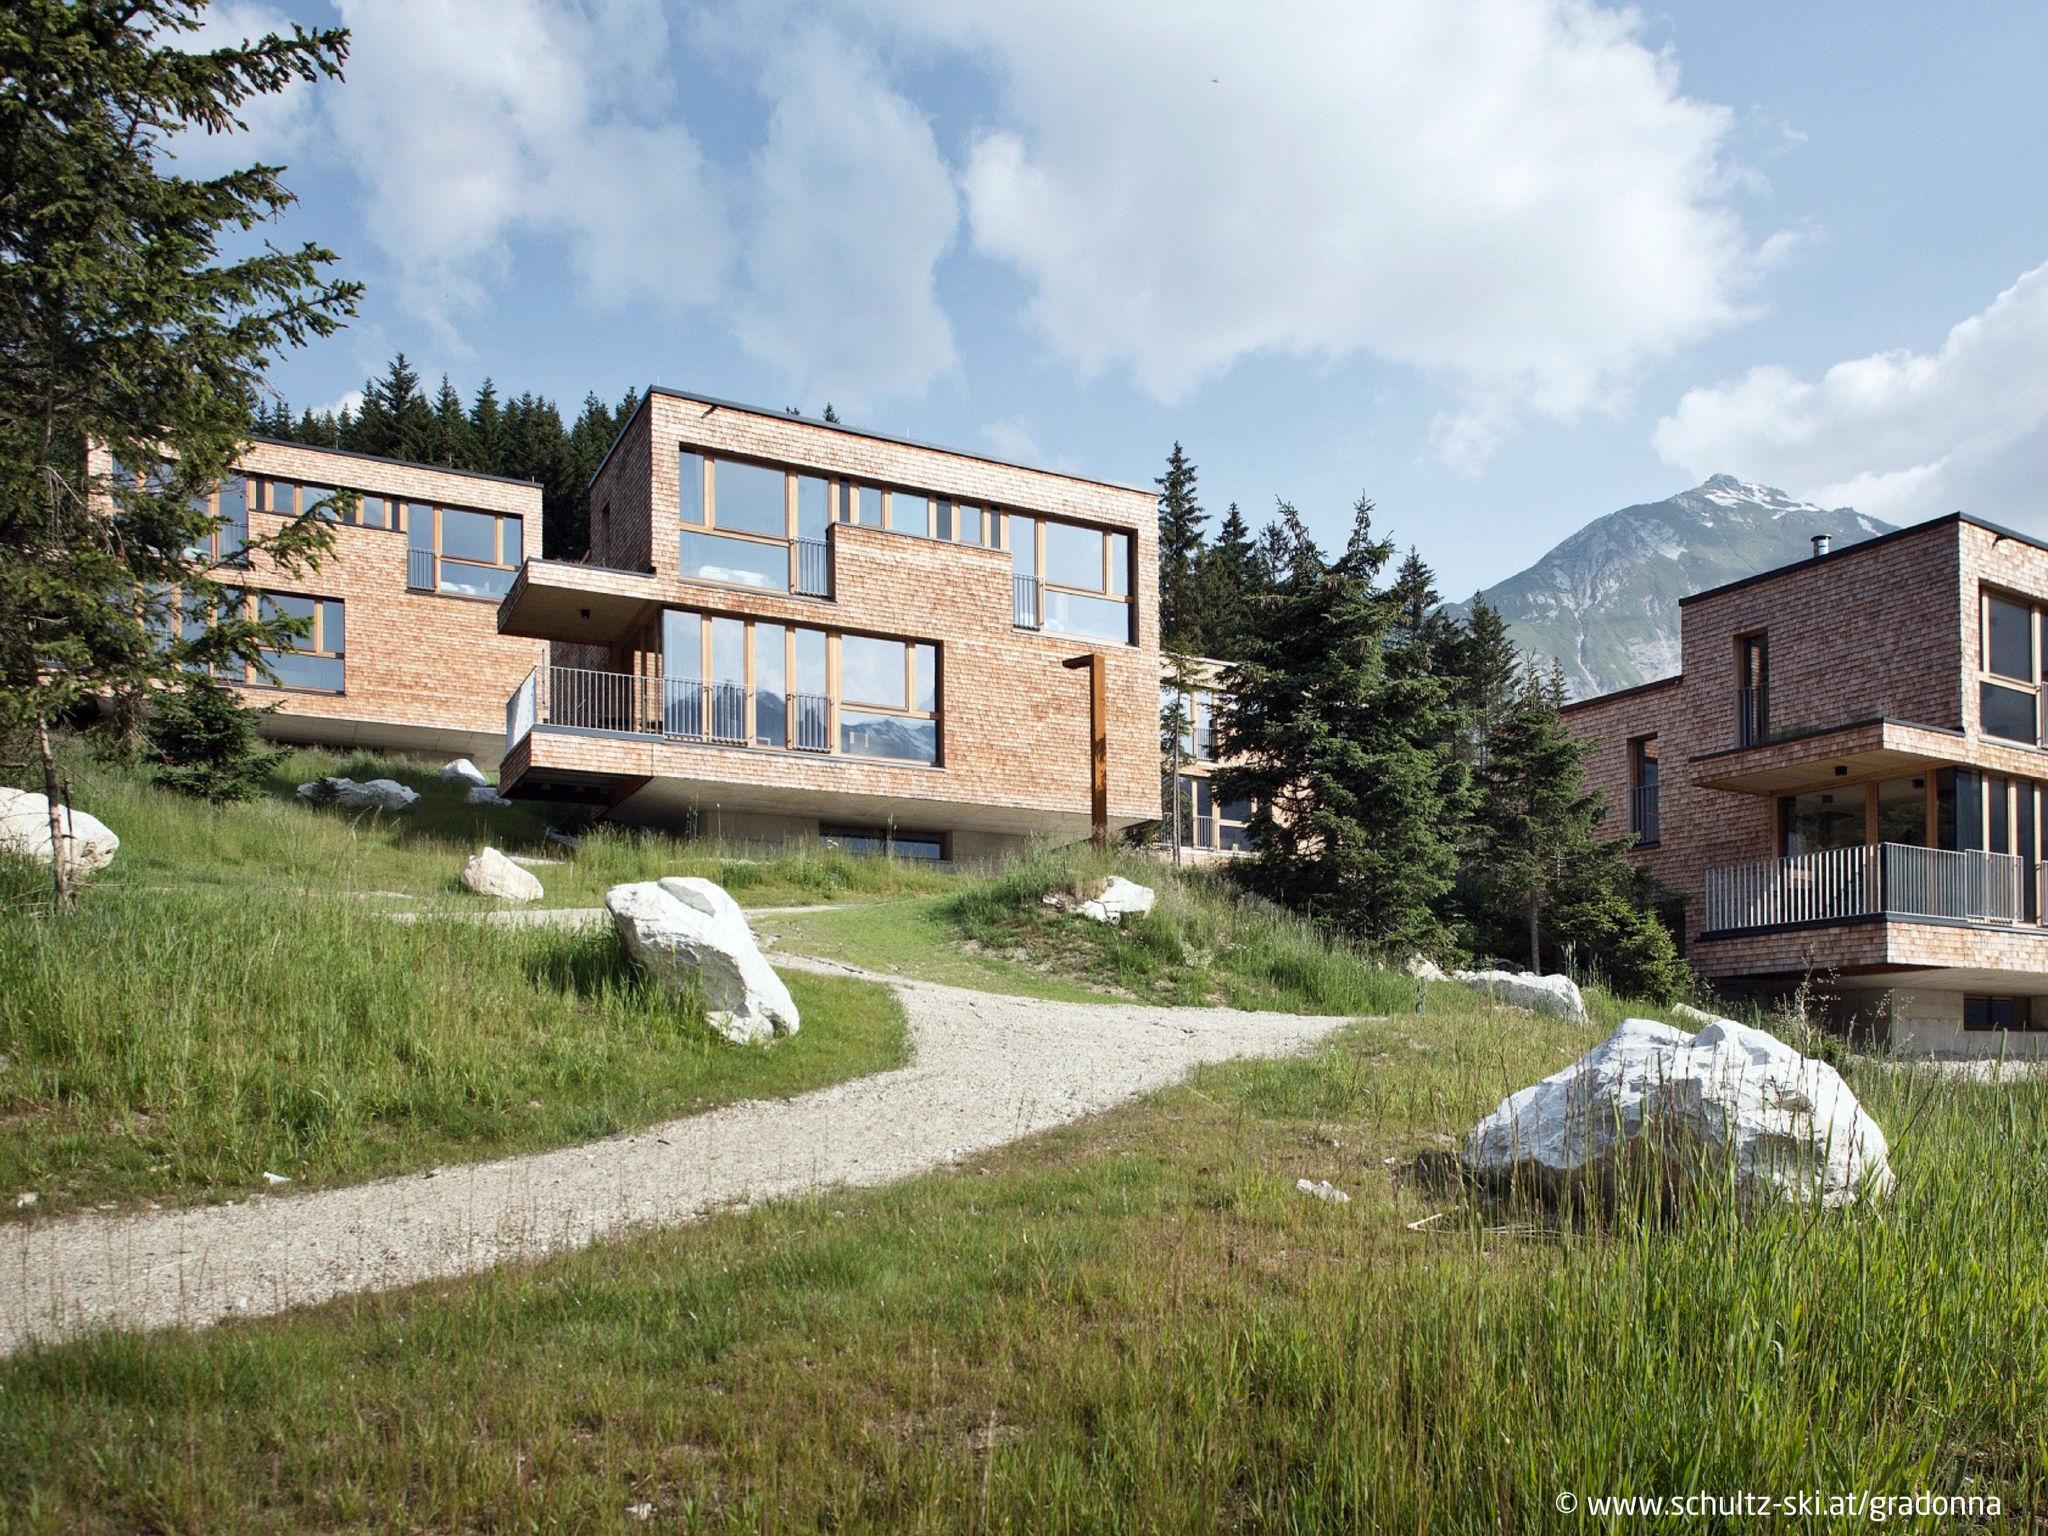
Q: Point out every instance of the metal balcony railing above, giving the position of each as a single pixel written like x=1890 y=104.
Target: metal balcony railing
x=1869 y=880
x=810 y=722
x=1025 y=612
x=1753 y=716
x=1643 y=812
x=679 y=709
x=813 y=568
x=420 y=572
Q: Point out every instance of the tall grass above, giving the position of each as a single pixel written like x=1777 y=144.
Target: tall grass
x=171 y=1042
x=278 y=841
x=1136 y=1324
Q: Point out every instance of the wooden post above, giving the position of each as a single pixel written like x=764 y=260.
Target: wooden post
x=1098 y=740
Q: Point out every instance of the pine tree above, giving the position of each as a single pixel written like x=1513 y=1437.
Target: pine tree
x=452 y=443
x=1271 y=557
x=205 y=742
x=1349 y=811
x=122 y=324
x=487 y=428
x=1226 y=579
x=1541 y=873
x=1488 y=667
x=1181 y=626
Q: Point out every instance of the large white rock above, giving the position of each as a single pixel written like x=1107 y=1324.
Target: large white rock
x=1539 y=994
x=464 y=770
x=1118 y=899
x=691 y=935
x=1422 y=968
x=371 y=795
x=86 y=841
x=490 y=873
x=1788 y=1123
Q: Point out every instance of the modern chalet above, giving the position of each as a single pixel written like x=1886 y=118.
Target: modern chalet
x=787 y=629
x=1845 y=781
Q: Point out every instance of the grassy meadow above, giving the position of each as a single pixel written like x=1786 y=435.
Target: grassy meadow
x=1133 y=1324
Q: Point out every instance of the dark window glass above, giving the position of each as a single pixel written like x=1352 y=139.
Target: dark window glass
x=332 y=634
x=318 y=500
x=510 y=539
x=374 y=512
x=690 y=486
x=1998 y=816
x=1820 y=820
x=295 y=669
x=2005 y=712
x=1969 y=822
x=879 y=840
x=2011 y=639
x=1902 y=812
x=942 y=519
x=751 y=498
x=899 y=737
x=1986 y=1013
x=745 y=562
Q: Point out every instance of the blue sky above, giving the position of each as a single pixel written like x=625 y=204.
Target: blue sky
x=1502 y=266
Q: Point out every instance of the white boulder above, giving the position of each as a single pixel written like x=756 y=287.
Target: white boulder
x=1118 y=899
x=693 y=937
x=1539 y=994
x=465 y=771
x=371 y=795
x=1422 y=968
x=86 y=841
x=485 y=794
x=490 y=873
x=1663 y=1100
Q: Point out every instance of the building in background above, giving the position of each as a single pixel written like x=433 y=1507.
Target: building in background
x=403 y=650
x=1208 y=826
x=1845 y=783
x=788 y=629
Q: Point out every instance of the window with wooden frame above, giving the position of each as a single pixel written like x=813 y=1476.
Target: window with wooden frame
x=738 y=681
x=315 y=663
x=1071 y=578
x=747 y=524
x=462 y=553
x=888 y=699
x=2009 y=667
x=1642 y=774
x=227 y=542
x=332 y=503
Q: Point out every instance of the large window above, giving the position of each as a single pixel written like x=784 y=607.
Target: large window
x=314 y=663
x=1210 y=822
x=886 y=841
x=2009 y=668
x=294 y=498
x=227 y=541
x=753 y=525
x=1998 y=1013
x=1071 y=579
x=741 y=681
x=462 y=553
x=1820 y=820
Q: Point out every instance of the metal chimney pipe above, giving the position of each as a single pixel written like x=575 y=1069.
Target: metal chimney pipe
x=1820 y=545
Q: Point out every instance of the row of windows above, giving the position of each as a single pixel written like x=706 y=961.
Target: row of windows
x=756 y=525
x=785 y=685
x=316 y=660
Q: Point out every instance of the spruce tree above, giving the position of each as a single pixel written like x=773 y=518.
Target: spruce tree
x=123 y=324
x=204 y=741
x=1227 y=579
x=1348 y=804
x=1180 y=550
x=1488 y=667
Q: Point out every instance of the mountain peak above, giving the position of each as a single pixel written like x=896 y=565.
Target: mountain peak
x=1604 y=603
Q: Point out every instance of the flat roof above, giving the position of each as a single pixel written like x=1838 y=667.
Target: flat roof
x=839 y=426
x=1911 y=530
x=1622 y=693
x=379 y=458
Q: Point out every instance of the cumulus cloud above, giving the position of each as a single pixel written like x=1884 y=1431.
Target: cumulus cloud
x=1899 y=434
x=473 y=122
x=1510 y=196
x=853 y=207
x=274 y=127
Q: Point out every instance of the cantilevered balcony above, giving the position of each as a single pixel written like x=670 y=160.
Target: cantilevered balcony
x=1871 y=881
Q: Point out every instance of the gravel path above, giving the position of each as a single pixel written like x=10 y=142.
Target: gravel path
x=985 y=1070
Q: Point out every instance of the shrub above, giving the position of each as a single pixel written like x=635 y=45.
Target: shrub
x=204 y=741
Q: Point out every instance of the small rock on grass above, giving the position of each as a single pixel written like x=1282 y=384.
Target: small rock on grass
x=1323 y=1190
x=25 y=1199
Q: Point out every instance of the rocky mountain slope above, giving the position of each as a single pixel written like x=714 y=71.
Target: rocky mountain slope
x=1604 y=602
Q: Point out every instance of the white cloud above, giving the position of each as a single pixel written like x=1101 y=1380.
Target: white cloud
x=1901 y=434
x=853 y=207
x=1512 y=196
x=274 y=126
x=1013 y=438
x=473 y=122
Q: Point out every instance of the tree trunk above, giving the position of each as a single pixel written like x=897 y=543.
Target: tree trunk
x=1535 y=946
x=60 y=870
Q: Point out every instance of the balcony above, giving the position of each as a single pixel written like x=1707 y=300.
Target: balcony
x=1643 y=813
x=799 y=566
x=1753 y=716
x=1024 y=608
x=1871 y=881
x=674 y=709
